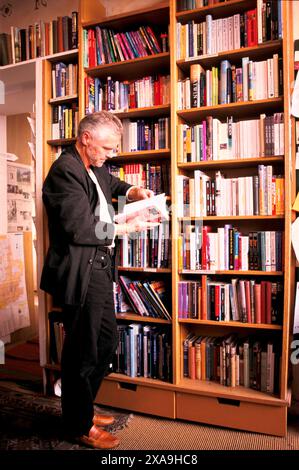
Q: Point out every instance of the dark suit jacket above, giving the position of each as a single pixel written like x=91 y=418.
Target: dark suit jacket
x=75 y=231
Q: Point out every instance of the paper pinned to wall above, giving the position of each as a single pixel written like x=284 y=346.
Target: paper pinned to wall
x=3 y=194
x=19 y=197
x=14 y=310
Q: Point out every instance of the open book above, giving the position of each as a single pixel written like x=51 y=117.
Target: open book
x=152 y=209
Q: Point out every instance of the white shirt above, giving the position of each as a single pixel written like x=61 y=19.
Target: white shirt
x=104 y=212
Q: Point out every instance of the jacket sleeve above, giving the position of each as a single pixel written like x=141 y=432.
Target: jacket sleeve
x=118 y=187
x=67 y=204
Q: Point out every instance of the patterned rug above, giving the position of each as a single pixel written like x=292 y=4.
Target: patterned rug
x=31 y=421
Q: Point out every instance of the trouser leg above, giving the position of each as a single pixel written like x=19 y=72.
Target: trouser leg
x=88 y=350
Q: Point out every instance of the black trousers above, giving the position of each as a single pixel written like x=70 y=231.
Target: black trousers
x=90 y=341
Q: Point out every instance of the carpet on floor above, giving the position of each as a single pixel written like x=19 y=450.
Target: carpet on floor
x=31 y=421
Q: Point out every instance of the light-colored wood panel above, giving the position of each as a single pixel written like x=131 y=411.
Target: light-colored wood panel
x=18 y=134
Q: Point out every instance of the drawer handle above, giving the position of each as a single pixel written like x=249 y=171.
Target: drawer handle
x=228 y=401
x=127 y=386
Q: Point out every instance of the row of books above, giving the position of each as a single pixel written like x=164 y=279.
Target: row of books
x=216 y=140
x=64 y=79
x=105 y=46
x=240 y=300
x=113 y=95
x=232 y=361
x=147 y=249
x=230 y=83
x=152 y=176
x=246 y=29
x=143 y=351
x=39 y=39
x=229 y=249
x=65 y=120
x=145 y=134
x=147 y=298
x=262 y=194
x=214 y=36
x=183 y=5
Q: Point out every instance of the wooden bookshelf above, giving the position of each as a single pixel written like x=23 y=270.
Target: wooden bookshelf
x=142 y=155
x=184 y=398
x=239 y=109
x=139 y=319
x=241 y=162
x=230 y=324
x=200 y=400
x=153 y=111
x=130 y=68
x=58 y=142
x=254 y=52
x=233 y=217
x=63 y=99
x=233 y=272
x=227 y=8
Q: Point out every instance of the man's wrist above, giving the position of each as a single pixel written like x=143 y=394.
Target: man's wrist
x=128 y=192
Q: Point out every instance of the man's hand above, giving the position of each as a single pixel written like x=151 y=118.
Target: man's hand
x=134 y=226
x=136 y=193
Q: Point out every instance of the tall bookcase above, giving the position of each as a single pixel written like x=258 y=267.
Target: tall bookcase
x=185 y=398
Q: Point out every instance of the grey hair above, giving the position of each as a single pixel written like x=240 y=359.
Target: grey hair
x=93 y=122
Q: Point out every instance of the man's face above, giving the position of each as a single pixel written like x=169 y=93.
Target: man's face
x=100 y=145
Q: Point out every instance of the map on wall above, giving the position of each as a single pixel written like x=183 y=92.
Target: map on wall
x=14 y=311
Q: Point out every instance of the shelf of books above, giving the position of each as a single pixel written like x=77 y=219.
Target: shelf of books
x=233 y=194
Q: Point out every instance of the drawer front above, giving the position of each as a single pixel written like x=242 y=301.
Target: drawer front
x=232 y=413
x=137 y=398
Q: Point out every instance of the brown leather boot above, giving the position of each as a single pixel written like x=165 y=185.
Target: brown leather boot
x=103 y=420
x=99 y=439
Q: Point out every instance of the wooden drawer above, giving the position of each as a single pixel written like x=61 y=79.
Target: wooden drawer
x=236 y=414
x=139 y=398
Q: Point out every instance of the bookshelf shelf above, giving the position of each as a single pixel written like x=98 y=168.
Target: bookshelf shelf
x=255 y=52
x=139 y=318
x=53 y=57
x=156 y=383
x=235 y=393
x=153 y=111
x=233 y=217
x=226 y=8
x=130 y=19
x=142 y=155
x=146 y=270
x=63 y=99
x=239 y=109
x=131 y=68
x=230 y=324
x=58 y=142
x=234 y=272
x=240 y=162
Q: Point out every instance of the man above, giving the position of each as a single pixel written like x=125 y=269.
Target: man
x=79 y=267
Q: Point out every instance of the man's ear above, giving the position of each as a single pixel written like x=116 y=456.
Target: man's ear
x=85 y=137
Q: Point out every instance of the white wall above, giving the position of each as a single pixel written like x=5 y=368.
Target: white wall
x=24 y=13
x=3 y=144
